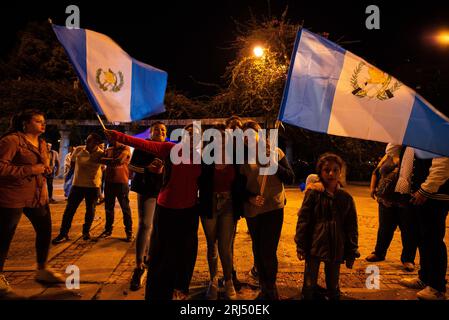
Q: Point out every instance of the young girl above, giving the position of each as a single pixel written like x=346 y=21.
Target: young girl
x=327 y=229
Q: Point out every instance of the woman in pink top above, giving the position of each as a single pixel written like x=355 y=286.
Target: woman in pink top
x=174 y=239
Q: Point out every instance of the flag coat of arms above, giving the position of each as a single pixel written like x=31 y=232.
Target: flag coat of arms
x=117 y=85
x=333 y=91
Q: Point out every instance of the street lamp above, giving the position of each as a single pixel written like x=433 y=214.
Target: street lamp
x=443 y=38
x=258 y=51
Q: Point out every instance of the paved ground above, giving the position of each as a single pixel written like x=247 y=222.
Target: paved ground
x=106 y=266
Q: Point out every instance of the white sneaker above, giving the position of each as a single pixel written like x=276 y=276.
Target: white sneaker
x=48 y=276
x=5 y=288
x=230 y=290
x=413 y=283
x=429 y=293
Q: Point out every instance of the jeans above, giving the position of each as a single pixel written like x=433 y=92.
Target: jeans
x=77 y=194
x=50 y=187
x=173 y=251
x=40 y=218
x=265 y=230
x=220 y=228
x=311 y=272
x=146 y=206
x=432 y=249
x=121 y=192
x=389 y=219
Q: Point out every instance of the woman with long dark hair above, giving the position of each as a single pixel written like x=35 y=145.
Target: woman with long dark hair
x=264 y=210
x=174 y=239
x=23 y=165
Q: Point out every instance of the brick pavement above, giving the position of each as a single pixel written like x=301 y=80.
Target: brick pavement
x=115 y=283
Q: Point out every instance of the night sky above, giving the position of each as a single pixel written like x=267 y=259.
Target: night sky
x=189 y=39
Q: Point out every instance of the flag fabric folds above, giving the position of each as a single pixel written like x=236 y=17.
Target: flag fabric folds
x=117 y=85
x=333 y=91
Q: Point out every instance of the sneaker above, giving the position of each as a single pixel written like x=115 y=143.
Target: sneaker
x=137 y=278
x=408 y=266
x=86 y=236
x=429 y=293
x=129 y=237
x=212 y=290
x=48 y=276
x=5 y=288
x=105 y=234
x=230 y=293
x=374 y=258
x=179 y=295
x=253 y=273
x=412 y=283
x=60 y=239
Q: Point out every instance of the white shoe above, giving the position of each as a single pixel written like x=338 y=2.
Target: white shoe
x=429 y=293
x=5 y=288
x=230 y=290
x=48 y=276
x=413 y=283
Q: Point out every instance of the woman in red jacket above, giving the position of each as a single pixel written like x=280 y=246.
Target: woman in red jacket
x=174 y=239
x=23 y=164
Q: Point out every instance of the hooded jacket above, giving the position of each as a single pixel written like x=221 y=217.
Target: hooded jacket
x=327 y=227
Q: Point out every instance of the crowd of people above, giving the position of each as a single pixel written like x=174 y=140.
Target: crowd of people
x=174 y=198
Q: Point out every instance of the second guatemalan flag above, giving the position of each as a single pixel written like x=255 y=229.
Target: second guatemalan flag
x=333 y=91
x=118 y=86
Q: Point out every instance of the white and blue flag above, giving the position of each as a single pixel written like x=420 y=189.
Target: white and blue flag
x=333 y=91
x=118 y=86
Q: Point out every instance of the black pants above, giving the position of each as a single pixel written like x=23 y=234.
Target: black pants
x=432 y=249
x=311 y=272
x=40 y=218
x=121 y=192
x=265 y=230
x=50 y=187
x=389 y=219
x=173 y=251
x=77 y=194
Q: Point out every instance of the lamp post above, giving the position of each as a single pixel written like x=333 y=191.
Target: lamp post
x=258 y=51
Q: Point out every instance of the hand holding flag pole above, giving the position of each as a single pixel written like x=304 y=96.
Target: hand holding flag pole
x=101 y=121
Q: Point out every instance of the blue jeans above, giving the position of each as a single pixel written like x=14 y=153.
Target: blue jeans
x=219 y=231
x=145 y=206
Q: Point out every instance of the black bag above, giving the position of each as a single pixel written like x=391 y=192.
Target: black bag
x=387 y=184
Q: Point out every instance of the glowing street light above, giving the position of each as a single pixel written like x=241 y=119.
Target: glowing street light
x=258 y=51
x=443 y=38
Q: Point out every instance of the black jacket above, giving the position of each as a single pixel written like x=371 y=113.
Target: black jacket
x=327 y=227
x=206 y=191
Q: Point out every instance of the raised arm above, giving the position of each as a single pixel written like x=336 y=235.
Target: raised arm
x=159 y=149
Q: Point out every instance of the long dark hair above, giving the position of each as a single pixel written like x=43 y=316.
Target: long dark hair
x=16 y=122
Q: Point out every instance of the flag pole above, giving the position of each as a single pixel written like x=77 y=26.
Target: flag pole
x=265 y=177
x=101 y=121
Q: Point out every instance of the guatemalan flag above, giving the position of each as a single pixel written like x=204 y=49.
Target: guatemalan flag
x=333 y=91
x=118 y=86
